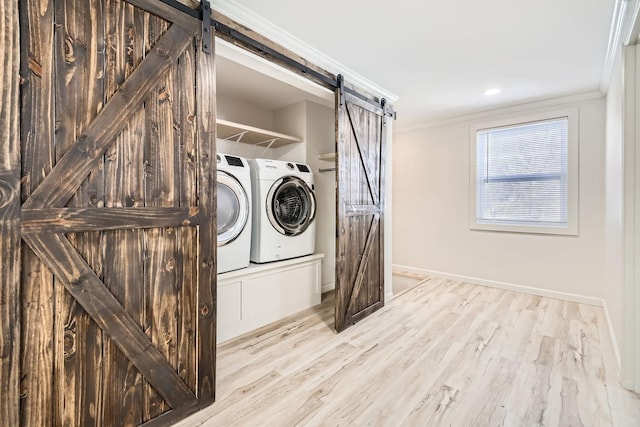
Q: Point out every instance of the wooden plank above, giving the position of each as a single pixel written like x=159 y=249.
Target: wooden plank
x=167 y=13
x=253 y=135
x=161 y=277
x=207 y=233
x=382 y=170
x=184 y=110
x=362 y=266
x=74 y=220
x=72 y=169
x=123 y=269
x=368 y=170
x=357 y=210
x=79 y=63
x=10 y=250
x=341 y=275
x=173 y=416
x=82 y=283
x=37 y=142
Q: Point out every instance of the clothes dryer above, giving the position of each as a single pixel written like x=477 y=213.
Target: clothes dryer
x=234 y=212
x=284 y=210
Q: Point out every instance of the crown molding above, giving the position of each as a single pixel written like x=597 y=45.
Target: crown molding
x=250 y=19
x=625 y=28
x=505 y=110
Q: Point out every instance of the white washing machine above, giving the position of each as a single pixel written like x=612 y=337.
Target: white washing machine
x=284 y=209
x=234 y=212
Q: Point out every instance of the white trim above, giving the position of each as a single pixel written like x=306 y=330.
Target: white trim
x=625 y=28
x=615 y=32
x=270 y=267
x=388 y=297
x=243 y=57
x=328 y=287
x=632 y=27
x=614 y=339
x=250 y=19
x=630 y=340
x=507 y=109
x=582 y=299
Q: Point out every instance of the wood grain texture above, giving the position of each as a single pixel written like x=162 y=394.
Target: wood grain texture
x=37 y=147
x=74 y=220
x=89 y=291
x=160 y=280
x=138 y=167
x=207 y=232
x=123 y=270
x=79 y=97
x=166 y=12
x=360 y=207
x=185 y=129
x=71 y=170
x=444 y=353
x=10 y=215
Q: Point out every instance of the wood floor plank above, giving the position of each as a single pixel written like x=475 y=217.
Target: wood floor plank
x=443 y=353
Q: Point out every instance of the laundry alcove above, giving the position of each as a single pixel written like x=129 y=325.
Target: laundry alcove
x=115 y=319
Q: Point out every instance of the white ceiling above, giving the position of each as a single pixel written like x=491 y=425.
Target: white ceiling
x=440 y=56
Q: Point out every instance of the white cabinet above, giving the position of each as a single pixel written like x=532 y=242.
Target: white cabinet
x=263 y=293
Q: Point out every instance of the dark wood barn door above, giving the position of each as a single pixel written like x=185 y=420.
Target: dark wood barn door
x=118 y=215
x=361 y=130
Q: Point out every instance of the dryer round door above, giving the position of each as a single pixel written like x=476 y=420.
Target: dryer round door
x=233 y=208
x=291 y=205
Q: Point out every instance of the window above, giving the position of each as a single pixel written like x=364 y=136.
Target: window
x=524 y=174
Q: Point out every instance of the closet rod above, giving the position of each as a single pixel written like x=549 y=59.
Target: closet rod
x=322 y=170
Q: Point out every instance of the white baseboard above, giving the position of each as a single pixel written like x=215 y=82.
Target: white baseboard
x=506 y=286
x=614 y=340
x=327 y=287
x=388 y=297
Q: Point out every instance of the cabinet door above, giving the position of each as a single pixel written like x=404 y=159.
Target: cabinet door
x=361 y=131
x=118 y=277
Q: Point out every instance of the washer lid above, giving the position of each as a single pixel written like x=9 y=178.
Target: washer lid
x=291 y=205
x=233 y=208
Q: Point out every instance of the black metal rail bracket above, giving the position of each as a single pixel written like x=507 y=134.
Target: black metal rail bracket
x=205 y=8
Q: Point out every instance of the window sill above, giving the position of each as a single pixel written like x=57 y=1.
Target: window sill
x=571 y=230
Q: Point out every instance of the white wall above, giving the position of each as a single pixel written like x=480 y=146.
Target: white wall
x=292 y=120
x=614 y=177
x=431 y=214
x=321 y=139
x=249 y=114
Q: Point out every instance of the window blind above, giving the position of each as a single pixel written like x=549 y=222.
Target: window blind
x=522 y=174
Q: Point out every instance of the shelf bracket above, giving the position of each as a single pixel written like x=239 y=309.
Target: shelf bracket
x=238 y=135
x=269 y=143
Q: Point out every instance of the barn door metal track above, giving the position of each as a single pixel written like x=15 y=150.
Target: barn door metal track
x=204 y=15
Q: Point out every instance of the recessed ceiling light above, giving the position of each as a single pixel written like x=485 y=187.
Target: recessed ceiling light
x=493 y=91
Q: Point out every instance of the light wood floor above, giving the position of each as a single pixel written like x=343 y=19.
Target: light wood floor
x=403 y=281
x=442 y=354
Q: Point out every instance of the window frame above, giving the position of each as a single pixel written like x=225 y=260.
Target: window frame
x=573 y=153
